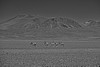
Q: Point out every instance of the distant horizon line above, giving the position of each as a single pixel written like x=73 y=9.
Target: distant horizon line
x=45 y=17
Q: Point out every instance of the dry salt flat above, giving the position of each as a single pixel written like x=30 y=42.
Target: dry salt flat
x=26 y=44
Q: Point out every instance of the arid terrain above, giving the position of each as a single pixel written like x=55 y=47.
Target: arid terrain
x=48 y=58
x=34 y=27
x=37 y=41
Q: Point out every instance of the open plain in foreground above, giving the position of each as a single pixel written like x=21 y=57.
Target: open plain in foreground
x=50 y=58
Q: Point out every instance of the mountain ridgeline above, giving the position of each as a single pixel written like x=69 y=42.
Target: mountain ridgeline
x=29 y=21
x=92 y=23
x=34 y=26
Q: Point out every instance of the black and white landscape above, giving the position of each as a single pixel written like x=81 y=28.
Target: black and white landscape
x=49 y=33
x=38 y=41
x=35 y=27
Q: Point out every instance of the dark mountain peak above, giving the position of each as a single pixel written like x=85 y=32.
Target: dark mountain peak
x=61 y=22
x=30 y=22
x=69 y=22
x=19 y=21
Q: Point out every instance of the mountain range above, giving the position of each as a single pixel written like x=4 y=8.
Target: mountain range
x=40 y=27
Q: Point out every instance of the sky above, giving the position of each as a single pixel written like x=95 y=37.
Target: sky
x=78 y=10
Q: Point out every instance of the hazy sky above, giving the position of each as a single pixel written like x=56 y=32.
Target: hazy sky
x=79 y=10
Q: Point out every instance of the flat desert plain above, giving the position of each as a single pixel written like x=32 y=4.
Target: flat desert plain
x=50 y=57
x=26 y=44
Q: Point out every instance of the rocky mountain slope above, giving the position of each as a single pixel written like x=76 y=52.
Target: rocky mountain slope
x=92 y=23
x=39 y=27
